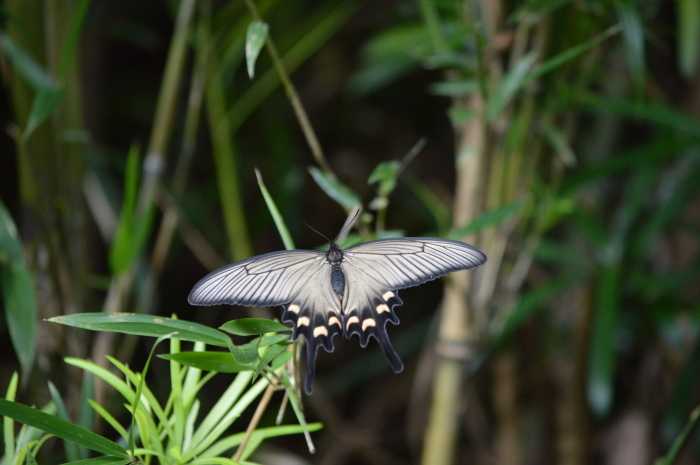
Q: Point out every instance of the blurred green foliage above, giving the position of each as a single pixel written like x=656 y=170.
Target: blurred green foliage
x=588 y=208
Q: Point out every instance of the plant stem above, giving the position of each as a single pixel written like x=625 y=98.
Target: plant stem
x=294 y=99
x=256 y=418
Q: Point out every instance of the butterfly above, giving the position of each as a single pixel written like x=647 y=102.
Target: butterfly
x=337 y=292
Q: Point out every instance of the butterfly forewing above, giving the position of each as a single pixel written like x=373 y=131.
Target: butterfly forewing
x=266 y=280
x=410 y=261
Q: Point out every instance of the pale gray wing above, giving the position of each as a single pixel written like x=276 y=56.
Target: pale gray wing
x=367 y=306
x=374 y=271
x=262 y=281
x=410 y=261
x=315 y=312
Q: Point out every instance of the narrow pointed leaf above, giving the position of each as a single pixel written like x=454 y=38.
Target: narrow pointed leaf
x=60 y=428
x=145 y=325
x=276 y=216
x=253 y=326
x=254 y=41
x=335 y=189
x=221 y=362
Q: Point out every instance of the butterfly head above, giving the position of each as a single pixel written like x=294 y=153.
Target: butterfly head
x=334 y=254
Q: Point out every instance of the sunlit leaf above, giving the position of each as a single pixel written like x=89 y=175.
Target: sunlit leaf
x=145 y=325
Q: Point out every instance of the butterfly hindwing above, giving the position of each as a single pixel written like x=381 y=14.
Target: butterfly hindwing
x=368 y=307
x=315 y=312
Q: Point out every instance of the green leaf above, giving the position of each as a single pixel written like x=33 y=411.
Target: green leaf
x=60 y=428
x=221 y=362
x=71 y=43
x=557 y=139
x=688 y=35
x=509 y=85
x=19 y=298
x=10 y=244
x=106 y=460
x=489 y=218
x=44 y=103
x=601 y=367
x=530 y=303
x=633 y=31
x=260 y=434
x=385 y=174
x=86 y=416
x=134 y=227
x=145 y=325
x=656 y=113
x=71 y=448
x=281 y=359
x=254 y=41
x=680 y=439
x=26 y=66
x=270 y=355
x=30 y=458
x=454 y=88
x=245 y=354
x=276 y=216
x=253 y=326
x=335 y=189
x=570 y=54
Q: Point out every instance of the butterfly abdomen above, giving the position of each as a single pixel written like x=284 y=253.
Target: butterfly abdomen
x=338 y=281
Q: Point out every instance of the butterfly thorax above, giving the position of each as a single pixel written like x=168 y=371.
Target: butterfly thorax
x=335 y=258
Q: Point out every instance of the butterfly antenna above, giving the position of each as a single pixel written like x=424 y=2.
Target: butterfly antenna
x=348 y=223
x=307 y=224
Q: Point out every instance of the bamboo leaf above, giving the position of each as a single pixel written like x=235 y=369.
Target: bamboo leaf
x=570 y=54
x=655 y=113
x=44 y=104
x=26 y=66
x=633 y=31
x=122 y=253
x=145 y=325
x=71 y=448
x=17 y=287
x=253 y=326
x=335 y=189
x=61 y=428
x=509 y=85
x=602 y=351
x=221 y=362
x=688 y=36
x=680 y=439
x=276 y=216
x=255 y=39
x=245 y=354
x=106 y=460
x=489 y=218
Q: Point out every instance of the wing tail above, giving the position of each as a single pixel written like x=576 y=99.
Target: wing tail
x=369 y=319
x=311 y=349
